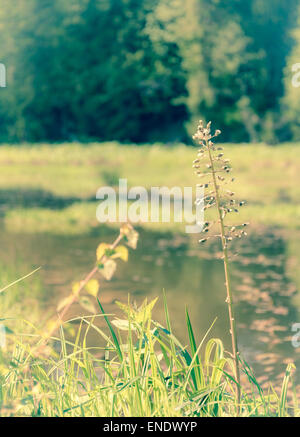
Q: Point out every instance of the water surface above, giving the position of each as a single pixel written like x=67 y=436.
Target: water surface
x=191 y=276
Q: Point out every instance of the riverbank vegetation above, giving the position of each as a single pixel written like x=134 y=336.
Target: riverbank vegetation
x=50 y=188
x=151 y=69
x=142 y=369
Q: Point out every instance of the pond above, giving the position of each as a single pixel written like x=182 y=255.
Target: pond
x=191 y=275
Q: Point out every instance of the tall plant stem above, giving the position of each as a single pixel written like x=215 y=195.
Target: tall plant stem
x=74 y=298
x=229 y=299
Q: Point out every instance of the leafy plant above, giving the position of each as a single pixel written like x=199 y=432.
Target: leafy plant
x=106 y=254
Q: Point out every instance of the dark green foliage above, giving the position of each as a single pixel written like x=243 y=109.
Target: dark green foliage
x=88 y=69
x=143 y=70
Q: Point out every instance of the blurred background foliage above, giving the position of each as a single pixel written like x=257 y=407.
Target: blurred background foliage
x=145 y=70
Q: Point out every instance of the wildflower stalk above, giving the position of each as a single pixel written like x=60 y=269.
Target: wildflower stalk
x=216 y=165
x=83 y=283
x=106 y=253
x=74 y=297
x=229 y=300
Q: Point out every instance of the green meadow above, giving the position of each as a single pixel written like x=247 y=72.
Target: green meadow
x=266 y=177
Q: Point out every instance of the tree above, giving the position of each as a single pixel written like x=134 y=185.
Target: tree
x=145 y=70
x=89 y=69
x=291 y=101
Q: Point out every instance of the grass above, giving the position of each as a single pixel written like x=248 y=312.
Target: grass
x=141 y=370
x=74 y=170
x=81 y=217
x=267 y=177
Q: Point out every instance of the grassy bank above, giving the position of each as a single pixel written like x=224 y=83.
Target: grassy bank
x=267 y=177
x=142 y=371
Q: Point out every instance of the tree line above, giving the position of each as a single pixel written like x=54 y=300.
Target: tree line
x=147 y=70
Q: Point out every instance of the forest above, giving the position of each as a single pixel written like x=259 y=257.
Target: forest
x=145 y=70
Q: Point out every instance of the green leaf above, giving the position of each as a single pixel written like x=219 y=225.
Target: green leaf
x=132 y=239
x=108 y=269
x=197 y=373
x=130 y=235
x=284 y=390
x=86 y=304
x=121 y=252
x=8 y=330
x=101 y=250
x=123 y=325
x=92 y=287
x=142 y=314
x=115 y=339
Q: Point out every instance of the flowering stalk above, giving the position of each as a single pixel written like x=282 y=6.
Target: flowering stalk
x=225 y=204
x=106 y=266
x=74 y=296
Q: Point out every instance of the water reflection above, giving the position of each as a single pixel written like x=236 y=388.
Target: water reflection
x=266 y=310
